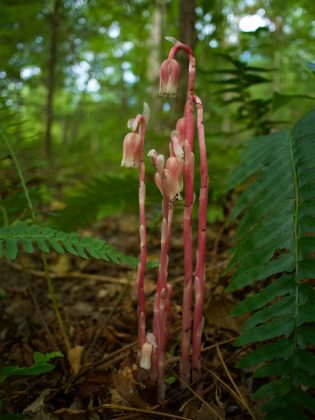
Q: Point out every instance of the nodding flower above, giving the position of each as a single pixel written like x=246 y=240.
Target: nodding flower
x=157 y=160
x=169 y=76
x=169 y=177
x=174 y=174
x=132 y=150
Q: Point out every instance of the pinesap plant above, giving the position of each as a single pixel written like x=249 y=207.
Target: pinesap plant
x=170 y=177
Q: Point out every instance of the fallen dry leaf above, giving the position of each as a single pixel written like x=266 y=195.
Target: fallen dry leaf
x=36 y=409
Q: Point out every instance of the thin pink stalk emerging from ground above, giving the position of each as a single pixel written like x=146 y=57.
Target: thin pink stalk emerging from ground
x=189 y=199
x=161 y=305
x=185 y=127
x=169 y=180
x=201 y=251
x=133 y=156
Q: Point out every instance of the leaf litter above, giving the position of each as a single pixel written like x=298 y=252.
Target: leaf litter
x=99 y=379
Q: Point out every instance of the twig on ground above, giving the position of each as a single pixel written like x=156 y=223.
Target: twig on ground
x=240 y=395
x=213 y=411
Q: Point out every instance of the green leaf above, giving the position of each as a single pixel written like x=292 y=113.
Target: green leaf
x=285 y=306
x=305 y=400
x=305 y=336
x=281 y=349
x=305 y=361
x=283 y=263
x=279 y=99
x=277 y=368
x=276 y=328
x=32 y=235
x=279 y=387
x=40 y=366
x=275 y=236
x=277 y=288
x=303 y=378
x=279 y=405
x=43 y=358
x=170 y=380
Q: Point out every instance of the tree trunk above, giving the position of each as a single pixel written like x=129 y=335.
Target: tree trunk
x=54 y=22
x=154 y=61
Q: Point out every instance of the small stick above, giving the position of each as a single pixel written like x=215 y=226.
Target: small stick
x=139 y=410
x=213 y=411
x=233 y=393
x=240 y=395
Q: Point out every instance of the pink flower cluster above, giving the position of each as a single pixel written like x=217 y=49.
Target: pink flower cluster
x=170 y=177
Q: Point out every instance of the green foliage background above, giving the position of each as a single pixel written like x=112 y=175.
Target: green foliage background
x=106 y=68
x=252 y=83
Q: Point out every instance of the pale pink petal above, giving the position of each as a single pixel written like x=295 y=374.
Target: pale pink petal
x=131 y=150
x=169 y=76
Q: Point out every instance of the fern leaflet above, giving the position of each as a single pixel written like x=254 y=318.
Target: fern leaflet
x=275 y=237
x=47 y=239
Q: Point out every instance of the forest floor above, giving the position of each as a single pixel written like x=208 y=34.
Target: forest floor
x=98 y=379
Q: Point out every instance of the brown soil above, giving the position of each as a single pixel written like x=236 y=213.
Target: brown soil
x=99 y=378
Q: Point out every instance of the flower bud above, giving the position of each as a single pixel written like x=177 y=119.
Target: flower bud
x=131 y=150
x=174 y=175
x=169 y=75
x=146 y=352
x=157 y=160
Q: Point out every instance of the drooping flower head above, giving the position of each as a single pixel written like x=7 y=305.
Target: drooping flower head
x=132 y=149
x=169 y=76
x=133 y=141
x=168 y=177
x=174 y=175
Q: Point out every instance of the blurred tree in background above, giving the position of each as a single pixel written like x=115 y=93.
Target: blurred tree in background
x=72 y=72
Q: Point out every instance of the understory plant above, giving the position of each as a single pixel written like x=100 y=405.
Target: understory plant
x=275 y=245
x=172 y=174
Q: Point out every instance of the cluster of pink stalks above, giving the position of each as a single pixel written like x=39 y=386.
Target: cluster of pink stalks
x=169 y=179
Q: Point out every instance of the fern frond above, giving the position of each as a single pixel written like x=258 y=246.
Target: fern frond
x=275 y=237
x=47 y=239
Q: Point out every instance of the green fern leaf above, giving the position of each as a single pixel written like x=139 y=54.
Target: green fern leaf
x=46 y=239
x=275 y=240
x=281 y=287
x=281 y=349
x=279 y=387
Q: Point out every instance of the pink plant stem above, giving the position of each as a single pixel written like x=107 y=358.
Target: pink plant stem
x=143 y=241
x=189 y=198
x=200 y=261
x=169 y=289
x=160 y=303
